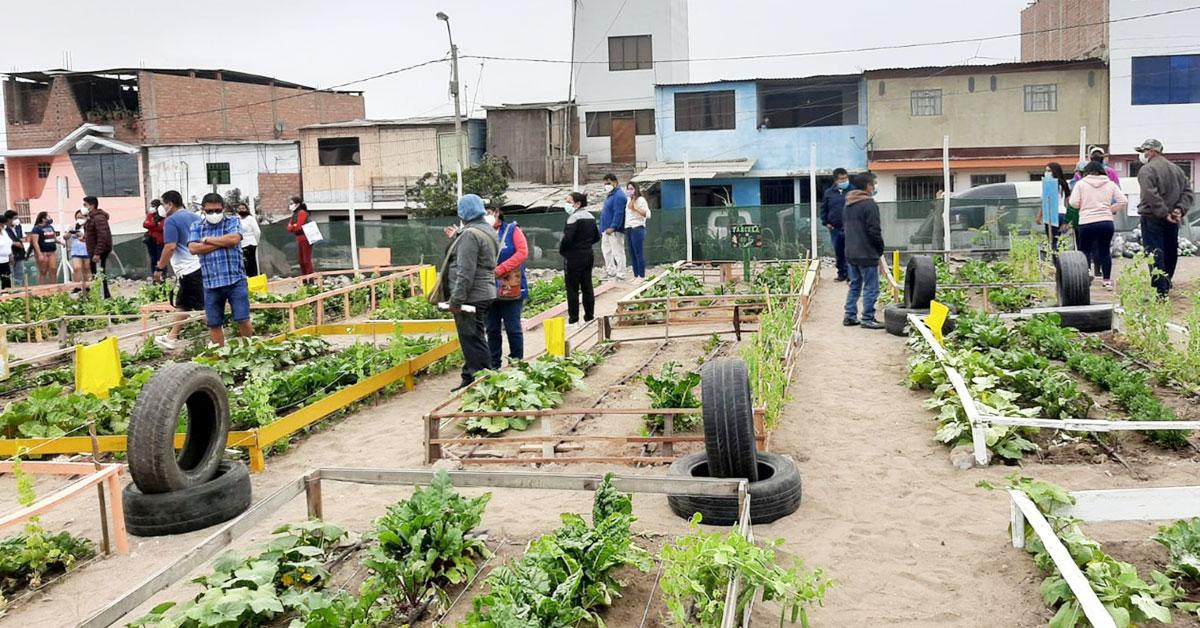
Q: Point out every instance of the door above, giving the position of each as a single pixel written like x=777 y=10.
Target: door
x=624 y=140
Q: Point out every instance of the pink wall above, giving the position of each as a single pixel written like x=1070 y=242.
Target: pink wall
x=24 y=184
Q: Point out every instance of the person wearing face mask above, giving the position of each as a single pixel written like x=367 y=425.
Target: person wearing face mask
x=153 y=238
x=637 y=212
x=98 y=236
x=832 y=204
x=1097 y=154
x=189 y=289
x=16 y=236
x=45 y=247
x=468 y=278
x=250 y=234
x=1056 y=192
x=864 y=246
x=217 y=241
x=579 y=236
x=511 y=289
x=295 y=226
x=77 y=247
x=612 y=223
x=1166 y=197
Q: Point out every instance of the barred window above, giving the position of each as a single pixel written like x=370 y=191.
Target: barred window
x=926 y=102
x=1041 y=97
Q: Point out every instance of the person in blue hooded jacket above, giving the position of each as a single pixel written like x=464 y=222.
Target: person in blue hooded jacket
x=612 y=226
x=469 y=279
x=832 y=204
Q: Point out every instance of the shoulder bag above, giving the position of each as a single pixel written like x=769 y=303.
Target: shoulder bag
x=508 y=285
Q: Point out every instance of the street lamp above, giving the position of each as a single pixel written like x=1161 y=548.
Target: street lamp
x=458 y=125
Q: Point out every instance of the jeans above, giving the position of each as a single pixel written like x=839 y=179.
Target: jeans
x=472 y=338
x=637 y=250
x=864 y=281
x=1161 y=239
x=578 y=278
x=102 y=270
x=154 y=249
x=838 y=237
x=235 y=294
x=19 y=278
x=5 y=276
x=612 y=246
x=250 y=253
x=1095 y=240
x=506 y=314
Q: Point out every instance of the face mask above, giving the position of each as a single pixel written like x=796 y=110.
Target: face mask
x=83 y=210
x=490 y=219
x=79 y=222
x=607 y=188
x=1048 y=174
x=1144 y=158
x=214 y=218
x=162 y=211
x=292 y=207
x=843 y=185
x=569 y=208
x=243 y=214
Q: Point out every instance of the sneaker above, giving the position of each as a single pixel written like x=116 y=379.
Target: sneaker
x=849 y=322
x=166 y=343
x=870 y=323
x=1108 y=285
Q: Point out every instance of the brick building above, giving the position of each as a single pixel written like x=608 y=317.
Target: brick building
x=91 y=133
x=1051 y=31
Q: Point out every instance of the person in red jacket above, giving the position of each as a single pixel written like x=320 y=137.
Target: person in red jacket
x=295 y=226
x=153 y=224
x=511 y=289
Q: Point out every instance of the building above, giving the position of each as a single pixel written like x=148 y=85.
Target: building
x=1053 y=30
x=536 y=140
x=264 y=174
x=619 y=51
x=748 y=142
x=89 y=133
x=385 y=159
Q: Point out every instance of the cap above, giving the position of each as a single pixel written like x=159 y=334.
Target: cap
x=1081 y=165
x=1092 y=150
x=1150 y=144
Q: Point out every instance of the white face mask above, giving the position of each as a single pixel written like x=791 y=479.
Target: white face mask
x=607 y=188
x=1144 y=157
x=490 y=219
x=569 y=208
x=1048 y=174
x=79 y=221
x=292 y=207
x=215 y=218
x=162 y=211
x=83 y=210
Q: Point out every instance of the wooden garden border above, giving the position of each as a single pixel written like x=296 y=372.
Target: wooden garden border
x=259 y=438
x=1138 y=504
x=310 y=484
x=92 y=475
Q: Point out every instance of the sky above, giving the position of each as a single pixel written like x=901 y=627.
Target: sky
x=323 y=44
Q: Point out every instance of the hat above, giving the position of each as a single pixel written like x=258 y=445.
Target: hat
x=1150 y=144
x=1081 y=165
x=470 y=207
x=1096 y=149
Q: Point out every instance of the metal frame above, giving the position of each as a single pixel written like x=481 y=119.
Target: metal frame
x=310 y=484
x=92 y=474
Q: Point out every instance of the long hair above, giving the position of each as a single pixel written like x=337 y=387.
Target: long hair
x=1057 y=171
x=637 y=191
x=40 y=217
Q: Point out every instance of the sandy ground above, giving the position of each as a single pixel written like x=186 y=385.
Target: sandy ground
x=908 y=540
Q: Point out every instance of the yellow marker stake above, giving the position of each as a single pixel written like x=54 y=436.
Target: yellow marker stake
x=98 y=367
x=257 y=284
x=896 y=266
x=936 y=319
x=428 y=279
x=556 y=336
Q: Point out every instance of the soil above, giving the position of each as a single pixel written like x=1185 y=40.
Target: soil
x=908 y=539
x=1132 y=542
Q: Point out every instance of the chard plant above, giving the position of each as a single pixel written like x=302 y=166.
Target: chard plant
x=671 y=389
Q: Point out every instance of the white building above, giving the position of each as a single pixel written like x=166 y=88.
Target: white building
x=1154 y=74
x=195 y=169
x=620 y=51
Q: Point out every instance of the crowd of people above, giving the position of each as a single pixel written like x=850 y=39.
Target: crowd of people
x=86 y=242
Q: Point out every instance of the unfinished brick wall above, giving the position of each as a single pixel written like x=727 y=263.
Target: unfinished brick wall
x=51 y=115
x=274 y=192
x=1060 y=41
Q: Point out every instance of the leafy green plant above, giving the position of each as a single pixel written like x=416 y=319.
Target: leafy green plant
x=670 y=389
x=1182 y=540
x=410 y=308
x=535 y=385
x=765 y=356
x=698 y=568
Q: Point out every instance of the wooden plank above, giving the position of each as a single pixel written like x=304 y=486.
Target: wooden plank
x=1092 y=425
x=1092 y=608
x=50 y=467
x=116 y=514
x=565 y=438
x=83 y=444
x=561 y=308
x=662 y=485
x=52 y=500
x=1136 y=504
x=632 y=460
x=567 y=412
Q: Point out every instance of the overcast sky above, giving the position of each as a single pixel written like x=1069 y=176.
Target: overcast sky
x=324 y=43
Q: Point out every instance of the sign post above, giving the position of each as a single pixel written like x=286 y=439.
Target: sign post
x=744 y=237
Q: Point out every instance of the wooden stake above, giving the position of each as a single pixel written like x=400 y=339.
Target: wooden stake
x=104 y=544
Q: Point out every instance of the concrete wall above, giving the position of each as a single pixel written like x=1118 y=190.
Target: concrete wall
x=598 y=89
x=23 y=183
x=184 y=167
x=746 y=191
x=1176 y=126
x=777 y=152
x=392 y=152
x=986 y=118
x=1050 y=29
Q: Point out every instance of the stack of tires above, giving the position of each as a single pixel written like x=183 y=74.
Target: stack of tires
x=920 y=288
x=1073 y=286
x=194 y=488
x=730 y=451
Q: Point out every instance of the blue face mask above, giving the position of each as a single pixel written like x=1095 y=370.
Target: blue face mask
x=843 y=185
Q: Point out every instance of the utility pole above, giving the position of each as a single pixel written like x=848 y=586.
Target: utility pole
x=463 y=159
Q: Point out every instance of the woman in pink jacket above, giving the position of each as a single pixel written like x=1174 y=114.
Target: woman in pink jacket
x=1098 y=200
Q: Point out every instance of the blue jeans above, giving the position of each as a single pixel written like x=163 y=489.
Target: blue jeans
x=864 y=281
x=637 y=250
x=508 y=314
x=235 y=294
x=838 y=238
x=1161 y=239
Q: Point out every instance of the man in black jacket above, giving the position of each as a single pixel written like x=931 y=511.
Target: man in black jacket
x=832 y=204
x=864 y=247
x=579 y=236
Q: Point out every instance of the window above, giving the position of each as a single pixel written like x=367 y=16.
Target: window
x=599 y=123
x=218 y=174
x=107 y=174
x=926 y=102
x=705 y=111
x=1037 y=176
x=777 y=191
x=712 y=195
x=43 y=170
x=1167 y=80
x=629 y=53
x=1185 y=166
x=1 y=168
x=882 y=88
x=1041 y=97
x=338 y=151
x=811 y=103
x=914 y=196
x=986 y=179
x=971 y=84
x=992 y=83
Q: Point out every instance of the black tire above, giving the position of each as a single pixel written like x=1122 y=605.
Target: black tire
x=1073 y=279
x=1085 y=318
x=224 y=497
x=153 y=463
x=728 y=412
x=895 y=319
x=773 y=497
x=920 y=282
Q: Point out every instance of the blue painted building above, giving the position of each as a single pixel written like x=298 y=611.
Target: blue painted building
x=748 y=141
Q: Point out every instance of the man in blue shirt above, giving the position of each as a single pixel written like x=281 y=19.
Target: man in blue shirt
x=612 y=226
x=189 y=293
x=217 y=240
x=832 y=204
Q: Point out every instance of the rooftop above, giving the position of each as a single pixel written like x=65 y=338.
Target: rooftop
x=534 y=106
x=424 y=121
x=757 y=79
x=44 y=76
x=995 y=68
